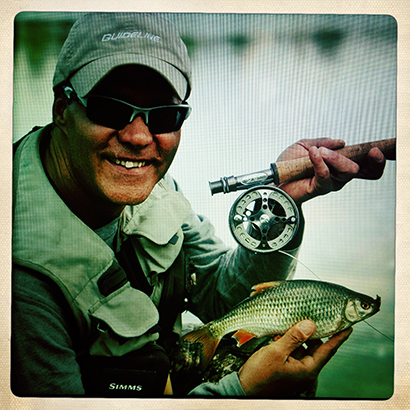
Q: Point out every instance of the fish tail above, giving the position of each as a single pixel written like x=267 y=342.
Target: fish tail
x=208 y=344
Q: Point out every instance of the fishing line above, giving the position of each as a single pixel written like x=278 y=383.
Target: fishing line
x=377 y=330
x=298 y=261
x=310 y=270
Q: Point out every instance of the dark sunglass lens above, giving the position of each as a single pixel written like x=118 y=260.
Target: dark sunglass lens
x=108 y=112
x=166 y=119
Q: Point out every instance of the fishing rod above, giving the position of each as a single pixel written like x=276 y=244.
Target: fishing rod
x=265 y=218
x=295 y=169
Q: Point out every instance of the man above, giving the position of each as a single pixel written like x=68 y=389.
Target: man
x=106 y=250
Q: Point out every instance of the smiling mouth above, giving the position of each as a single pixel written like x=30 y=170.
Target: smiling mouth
x=129 y=164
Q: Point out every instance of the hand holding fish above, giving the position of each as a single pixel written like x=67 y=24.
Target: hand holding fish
x=332 y=171
x=275 y=309
x=279 y=369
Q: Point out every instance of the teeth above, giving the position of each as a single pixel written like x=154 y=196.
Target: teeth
x=130 y=164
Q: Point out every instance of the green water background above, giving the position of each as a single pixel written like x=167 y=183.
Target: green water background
x=260 y=83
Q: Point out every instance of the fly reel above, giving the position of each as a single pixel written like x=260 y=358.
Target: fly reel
x=264 y=219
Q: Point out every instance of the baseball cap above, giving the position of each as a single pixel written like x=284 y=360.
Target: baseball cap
x=99 y=42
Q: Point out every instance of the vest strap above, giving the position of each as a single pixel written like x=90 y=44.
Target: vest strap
x=112 y=280
x=174 y=294
x=128 y=260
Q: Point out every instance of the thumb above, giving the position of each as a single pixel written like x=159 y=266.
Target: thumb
x=295 y=336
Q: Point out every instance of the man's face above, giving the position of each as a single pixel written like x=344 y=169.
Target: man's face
x=120 y=166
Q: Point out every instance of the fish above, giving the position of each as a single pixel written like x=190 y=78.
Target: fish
x=273 y=307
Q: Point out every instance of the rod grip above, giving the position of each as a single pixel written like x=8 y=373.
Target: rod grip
x=287 y=171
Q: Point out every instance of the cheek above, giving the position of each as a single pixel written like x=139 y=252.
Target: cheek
x=170 y=150
x=170 y=143
x=84 y=140
x=82 y=148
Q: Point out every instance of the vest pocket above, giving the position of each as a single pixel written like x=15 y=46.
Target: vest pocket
x=141 y=373
x=125 y=321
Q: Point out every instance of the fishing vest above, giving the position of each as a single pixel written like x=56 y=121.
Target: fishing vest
x=109 y=293
x=129 y=370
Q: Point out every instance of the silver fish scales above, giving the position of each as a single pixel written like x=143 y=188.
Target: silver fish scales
x=274 y=307
x=277 y=306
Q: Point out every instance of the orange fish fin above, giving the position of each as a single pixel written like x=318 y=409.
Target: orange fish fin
x=265 y=285
x=208 y=344
x=242 y=336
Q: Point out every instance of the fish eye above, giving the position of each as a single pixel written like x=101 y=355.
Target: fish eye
x=365 y=305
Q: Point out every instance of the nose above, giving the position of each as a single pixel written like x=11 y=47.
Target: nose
x=136 y=133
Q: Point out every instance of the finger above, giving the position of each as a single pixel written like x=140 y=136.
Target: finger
x=302 y=351
x=323 y=142
x=377 y=155
x=343 y=169
x=299 y=352
x=322 y=182
x=294 y=337
x=301 y=148
x=327 y=350
x=320 y=168
x=312 y=346
x=373 y=168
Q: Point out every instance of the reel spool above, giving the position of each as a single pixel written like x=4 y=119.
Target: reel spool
x=264 y=219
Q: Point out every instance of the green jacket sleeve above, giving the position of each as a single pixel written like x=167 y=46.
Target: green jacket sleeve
x=43 y=340
x=227 y=386
x=225 y=276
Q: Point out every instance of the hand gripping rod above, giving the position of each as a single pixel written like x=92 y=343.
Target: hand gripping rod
x=300 y=168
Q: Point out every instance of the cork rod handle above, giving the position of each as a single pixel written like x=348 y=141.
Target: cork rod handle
x=301 y=168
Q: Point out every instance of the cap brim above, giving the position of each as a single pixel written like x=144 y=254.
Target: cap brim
x=85 y=79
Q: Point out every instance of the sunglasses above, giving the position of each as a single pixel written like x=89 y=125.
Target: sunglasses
x=117 y=114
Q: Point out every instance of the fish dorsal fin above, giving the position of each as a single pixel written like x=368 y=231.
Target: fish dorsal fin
x=266 y=285
x=242 y=336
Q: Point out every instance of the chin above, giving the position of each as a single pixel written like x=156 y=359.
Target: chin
x=126 y=198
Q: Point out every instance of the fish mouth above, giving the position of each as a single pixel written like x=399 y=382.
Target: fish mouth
x=377 y=303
